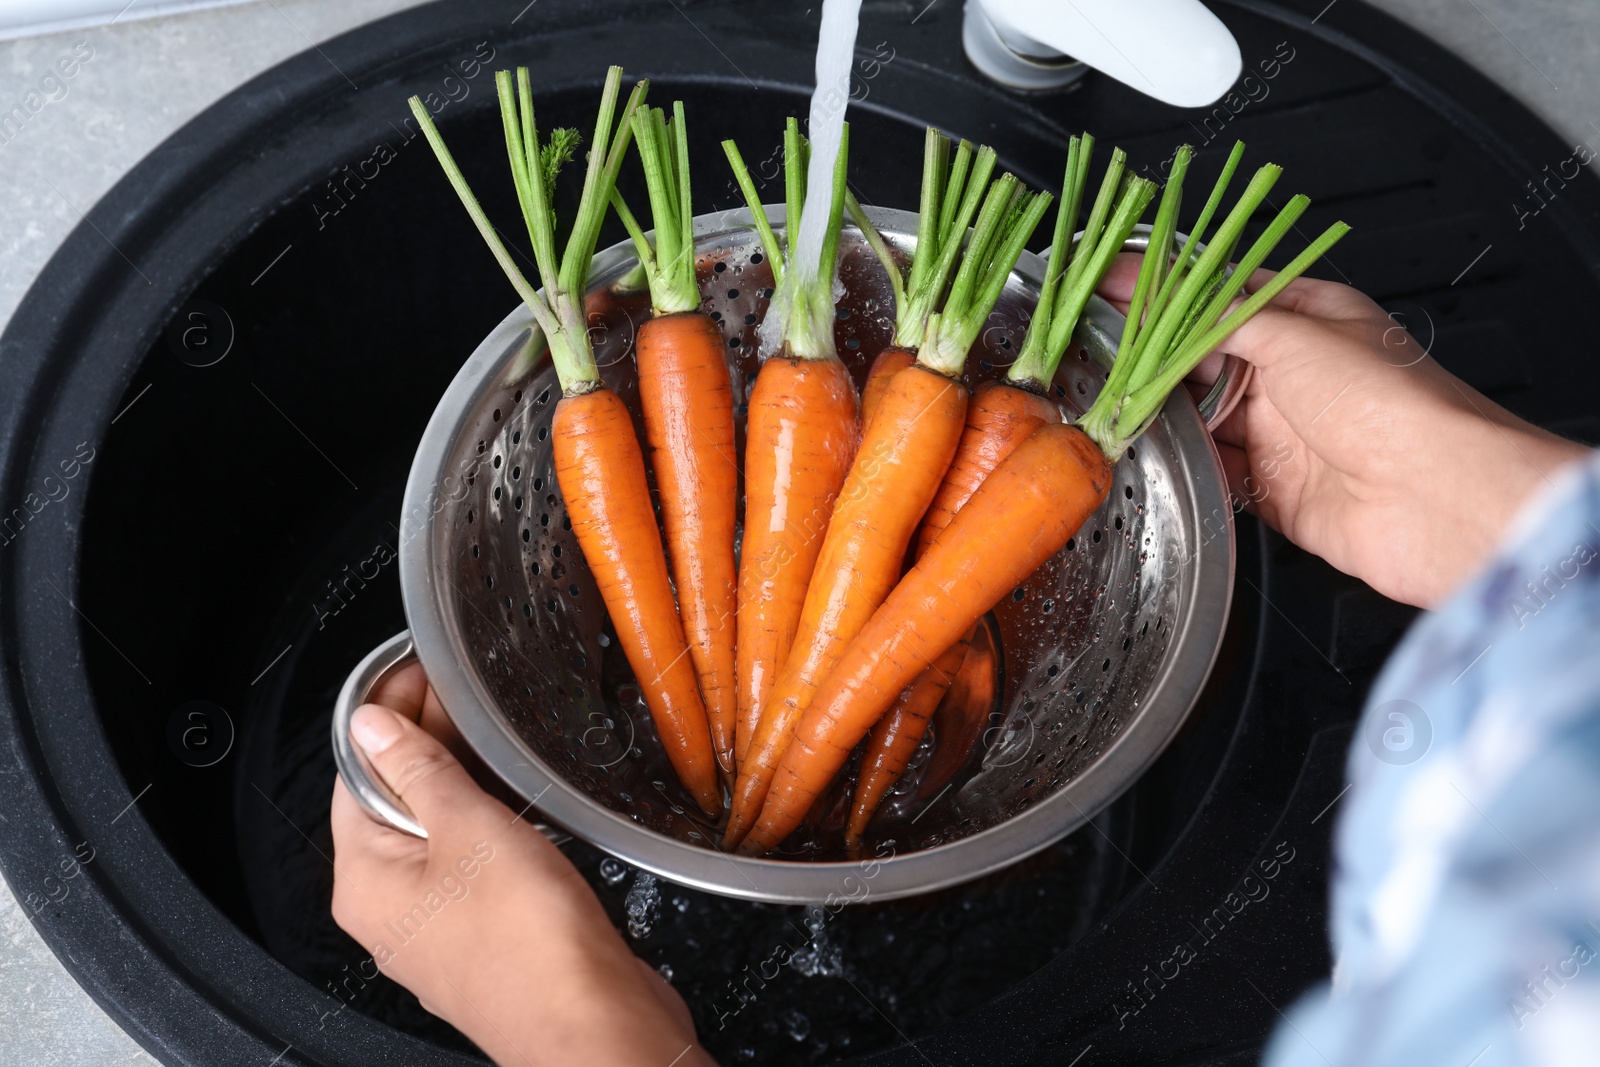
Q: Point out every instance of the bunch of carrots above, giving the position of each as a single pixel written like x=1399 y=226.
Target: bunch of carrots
x=879 y=529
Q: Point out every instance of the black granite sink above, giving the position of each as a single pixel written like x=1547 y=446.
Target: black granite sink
x=239 y=411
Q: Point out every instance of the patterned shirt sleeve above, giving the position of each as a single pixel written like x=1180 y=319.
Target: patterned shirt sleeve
x=1466 y=901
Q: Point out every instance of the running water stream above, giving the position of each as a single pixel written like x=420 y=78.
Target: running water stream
x=836 y=45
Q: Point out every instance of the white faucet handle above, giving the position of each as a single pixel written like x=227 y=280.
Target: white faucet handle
x=1174 y=50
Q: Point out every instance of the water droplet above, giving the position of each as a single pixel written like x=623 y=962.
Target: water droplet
x=797 y=1025
x=613 y=870
x=643 y=905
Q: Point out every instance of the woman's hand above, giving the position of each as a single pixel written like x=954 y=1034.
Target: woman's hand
x=1358 y=447
x=486 y=921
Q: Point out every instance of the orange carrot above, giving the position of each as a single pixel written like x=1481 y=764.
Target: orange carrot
x=890 y=361
x=962 y=714
x=599 y=464
x=1039 y=495
x=904 y=454
x=687 y=398
x=600 y=469
x=999 y=418
x=896 y=735
x=1035 y=500
x=800 y=438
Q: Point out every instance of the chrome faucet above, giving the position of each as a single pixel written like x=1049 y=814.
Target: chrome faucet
x=1174 y=50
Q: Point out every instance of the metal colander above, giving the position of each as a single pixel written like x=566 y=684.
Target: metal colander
x=1104 y=649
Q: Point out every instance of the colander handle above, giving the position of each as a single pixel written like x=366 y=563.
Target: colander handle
x=369 y=789
x=1228 y=389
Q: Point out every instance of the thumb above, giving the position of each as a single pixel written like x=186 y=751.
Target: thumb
x=419 y=769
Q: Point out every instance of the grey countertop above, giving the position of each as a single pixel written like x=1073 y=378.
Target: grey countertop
x=144 y=79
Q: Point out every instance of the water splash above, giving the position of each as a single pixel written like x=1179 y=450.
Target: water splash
x=796 y=1024
x=643 y=905
x=820 y=958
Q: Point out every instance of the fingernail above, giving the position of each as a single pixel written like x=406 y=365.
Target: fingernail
x=375 y=728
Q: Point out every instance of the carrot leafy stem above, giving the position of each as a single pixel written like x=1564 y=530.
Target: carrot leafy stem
x=1180 y=307
x=1008 y=218
x=1068 y=283
x=559 y=308
x=669 y=260
x=799 y=319
x=952 y=189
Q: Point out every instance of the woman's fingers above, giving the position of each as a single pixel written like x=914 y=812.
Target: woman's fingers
x=408 y=693
x=413 y=763
x=406 y=690
x=1304 y=296
x=1263 y=339
x=1315 y=297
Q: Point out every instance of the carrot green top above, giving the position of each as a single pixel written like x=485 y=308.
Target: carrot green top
x=1009 y=215
x=941 y=324
x=1179 y=311
x=1074 y=270
x=799 y=319
x=559 y=309
x=669 y=265
x=951 y=193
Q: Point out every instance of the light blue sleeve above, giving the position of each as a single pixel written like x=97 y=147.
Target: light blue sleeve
x=1466 y=898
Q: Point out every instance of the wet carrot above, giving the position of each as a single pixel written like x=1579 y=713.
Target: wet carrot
x=599 y=463
x=800 y=438
x=890 y=361
x=1000 y=418
x=904 y=454
x=687 y=399
x=600 y=468
x=1039 y=496
x=962 y=715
